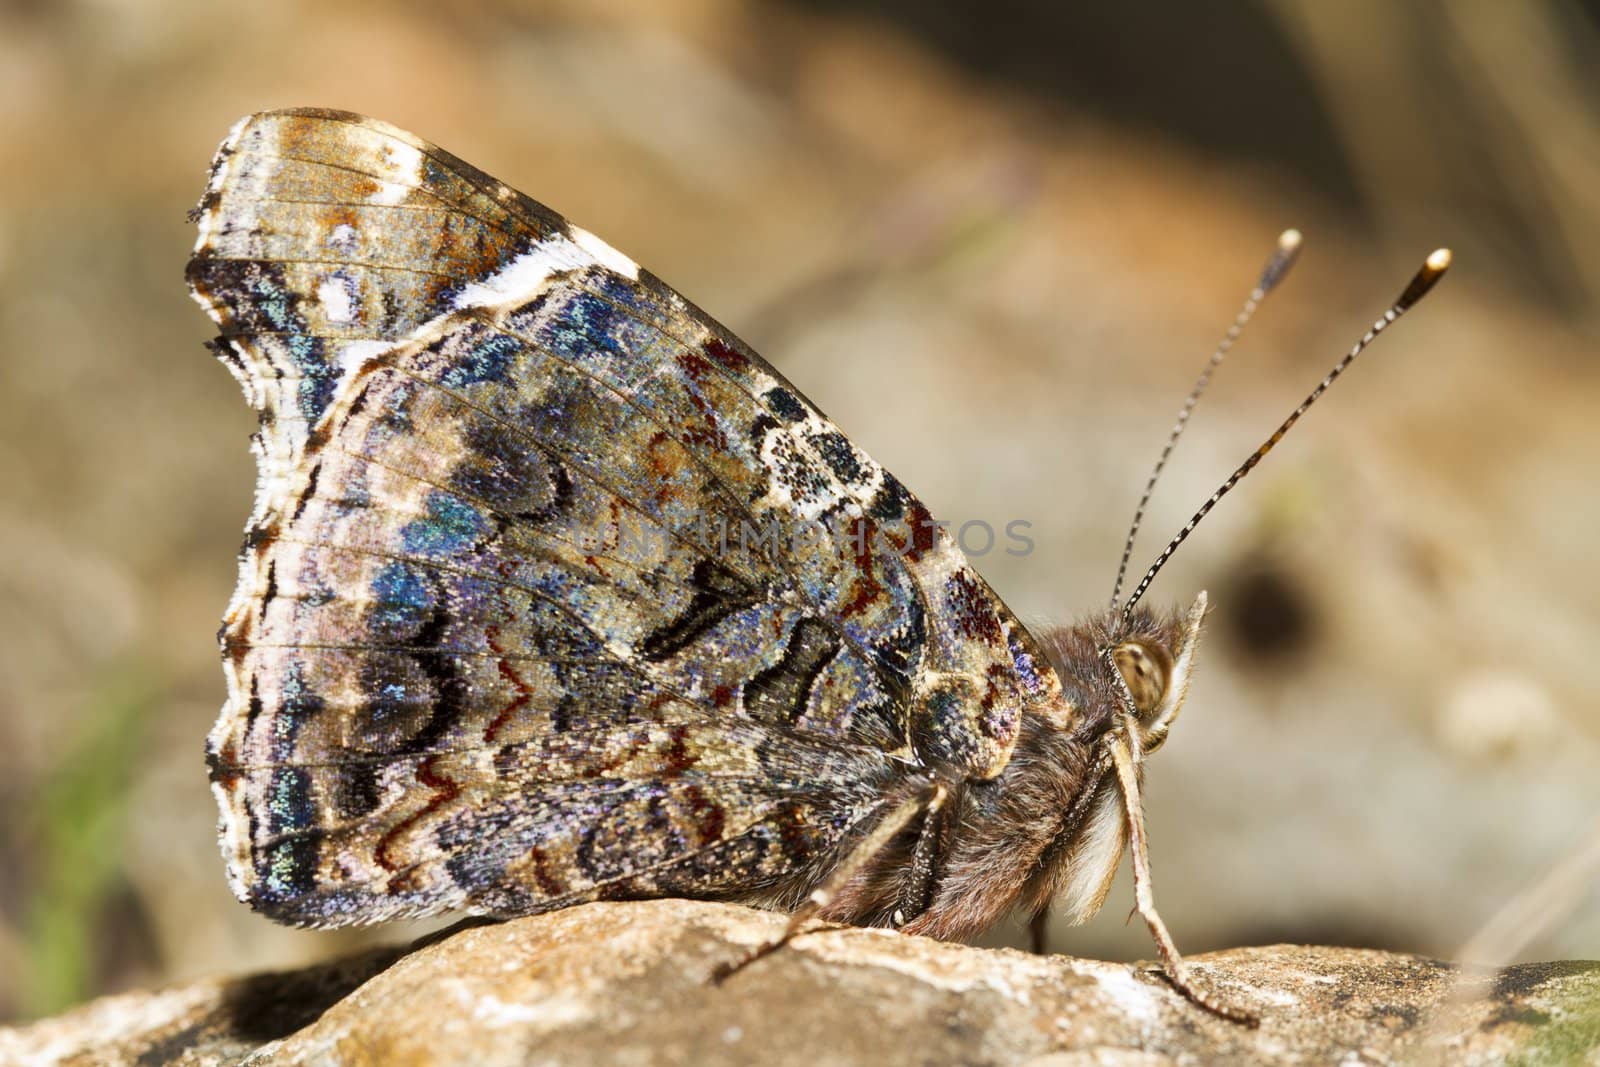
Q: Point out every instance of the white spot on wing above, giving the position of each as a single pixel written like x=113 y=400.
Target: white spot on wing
x=353 y=355
x=521 y=277
x=524 y=276
x=343 y=237
x=398 y=170
x=338 y=298
x=389 y=194
x=604 y=254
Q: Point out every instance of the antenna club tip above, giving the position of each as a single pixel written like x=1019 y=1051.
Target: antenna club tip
x=1433 y=269
x=1283 y=257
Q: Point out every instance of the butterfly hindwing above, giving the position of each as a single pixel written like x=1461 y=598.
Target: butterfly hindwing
x=554 y=589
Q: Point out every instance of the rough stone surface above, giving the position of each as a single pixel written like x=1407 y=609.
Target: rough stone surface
x=628 y=983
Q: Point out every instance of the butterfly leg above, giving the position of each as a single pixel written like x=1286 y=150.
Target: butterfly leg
x=916 y=889
x=888 y=828
x=1177 y=972
x=1038 y=930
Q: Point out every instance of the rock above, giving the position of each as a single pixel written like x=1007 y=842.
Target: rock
x=628 y=983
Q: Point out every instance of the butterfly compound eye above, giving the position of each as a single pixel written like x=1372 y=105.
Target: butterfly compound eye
x=1147 y=668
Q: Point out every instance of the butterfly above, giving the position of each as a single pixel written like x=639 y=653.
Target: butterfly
x=484 y=657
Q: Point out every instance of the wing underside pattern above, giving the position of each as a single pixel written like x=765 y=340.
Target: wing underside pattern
x=553 y=589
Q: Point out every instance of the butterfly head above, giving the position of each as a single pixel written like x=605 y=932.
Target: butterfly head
x=1126 y=674
x=1149 y=672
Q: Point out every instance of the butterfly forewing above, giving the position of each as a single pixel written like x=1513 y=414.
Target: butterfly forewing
x=554 y=590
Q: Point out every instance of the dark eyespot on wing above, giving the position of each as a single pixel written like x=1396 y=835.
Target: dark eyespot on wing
x=785 y=404
x=840 y=456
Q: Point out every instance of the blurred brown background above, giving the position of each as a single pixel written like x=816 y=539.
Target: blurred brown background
x=995 y=243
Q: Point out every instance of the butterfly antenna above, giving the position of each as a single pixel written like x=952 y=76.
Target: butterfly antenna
x=1282 y=259
x=1433 y=268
